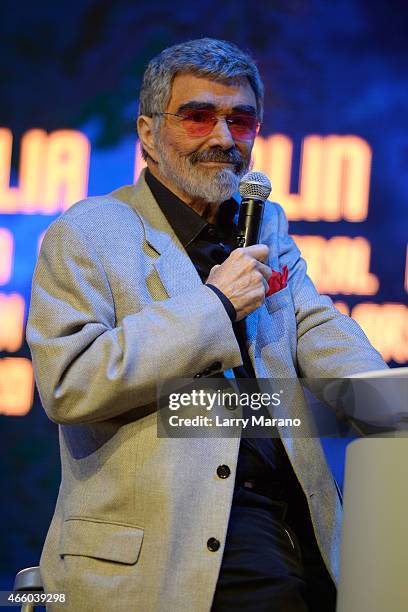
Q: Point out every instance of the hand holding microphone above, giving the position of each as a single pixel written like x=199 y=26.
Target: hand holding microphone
x=243 y=278
x=244 y=275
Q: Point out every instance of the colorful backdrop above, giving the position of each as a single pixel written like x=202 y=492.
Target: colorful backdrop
x=334 y=142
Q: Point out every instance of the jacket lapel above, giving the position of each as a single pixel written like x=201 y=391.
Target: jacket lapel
x=174 y=267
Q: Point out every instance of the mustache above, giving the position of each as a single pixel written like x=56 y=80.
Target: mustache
x=217 y=154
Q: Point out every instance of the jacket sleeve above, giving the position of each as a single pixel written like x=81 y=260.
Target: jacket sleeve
x=329 y=343
x=89 y=366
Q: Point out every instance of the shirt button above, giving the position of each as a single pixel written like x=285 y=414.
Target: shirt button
x=212 y=231
x=213 y=544
x=223 y=471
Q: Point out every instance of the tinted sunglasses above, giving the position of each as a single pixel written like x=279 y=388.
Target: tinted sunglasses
x=201 y=122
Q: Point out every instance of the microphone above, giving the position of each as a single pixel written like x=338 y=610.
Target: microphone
x=254 y=189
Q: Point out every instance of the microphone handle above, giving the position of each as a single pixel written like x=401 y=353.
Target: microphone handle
x=249 y=222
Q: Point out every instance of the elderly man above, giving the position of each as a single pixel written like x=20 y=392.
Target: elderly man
x=141 y=286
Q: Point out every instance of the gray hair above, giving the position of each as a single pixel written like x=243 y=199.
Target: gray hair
x=218 y=60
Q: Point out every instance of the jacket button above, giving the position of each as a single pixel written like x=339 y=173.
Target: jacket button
x=223 y=471
x=198 y=375
x=213 y=544
x=216 y=365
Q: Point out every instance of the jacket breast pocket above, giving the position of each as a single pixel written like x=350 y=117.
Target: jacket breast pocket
x=278 y=300
x=101 y=540
x=277 y=324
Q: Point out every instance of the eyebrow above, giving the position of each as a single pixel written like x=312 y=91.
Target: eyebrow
x=196 y=105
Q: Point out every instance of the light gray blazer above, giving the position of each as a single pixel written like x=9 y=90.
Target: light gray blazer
x=117 y=306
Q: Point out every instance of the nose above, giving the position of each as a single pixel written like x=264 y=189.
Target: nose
x=221 y=135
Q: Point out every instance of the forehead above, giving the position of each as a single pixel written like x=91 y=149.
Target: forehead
x=188 y=87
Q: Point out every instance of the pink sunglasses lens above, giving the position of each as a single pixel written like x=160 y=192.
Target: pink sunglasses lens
x=201 y=122
x=243 y=126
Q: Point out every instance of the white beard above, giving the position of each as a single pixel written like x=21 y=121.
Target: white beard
x=209 y=184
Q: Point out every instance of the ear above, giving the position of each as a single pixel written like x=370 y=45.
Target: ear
x=146 y=136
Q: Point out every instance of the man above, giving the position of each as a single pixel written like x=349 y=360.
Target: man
x=142 y=286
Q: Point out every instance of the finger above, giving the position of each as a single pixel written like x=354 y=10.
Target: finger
x=264 y=270
x=266 y=286
x=259 y=251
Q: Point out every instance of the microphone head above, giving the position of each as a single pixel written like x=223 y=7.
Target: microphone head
x=255 y=186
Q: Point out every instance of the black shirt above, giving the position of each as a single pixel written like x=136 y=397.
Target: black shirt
x=260 y=460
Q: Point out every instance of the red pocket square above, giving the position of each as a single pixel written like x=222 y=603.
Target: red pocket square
x=278 y=281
